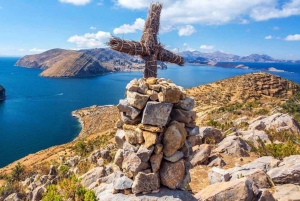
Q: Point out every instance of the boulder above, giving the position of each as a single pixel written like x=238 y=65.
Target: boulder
x=257 y=175
x=154 y=129
x=186 y=149
x=192 y=131
x=37 y=193
x=240 y=189
x=172 y=174
x=174 y=138
x=123 y=105
x=52 y=171
x=265 y=195
x=156 y=113
x=216 y=175
x=155 y=161
x=185 y=104
x=137 y=100
x=119 y=158
x=170 y=94
x=201 y=154
x=132 y=112
x=234 y=146
x=127 y=120
x=287 y=192
x=150 y=138
x=195 y=140
x=216 y=161
x=14 y=197
x=121 y=182
x=92 y=176
x=120 y=138
x=145 y=183
x=255 y=136
x=211 y=135
x=133 y=164
x=288 y=171
x=183 y=116
x=133 y=85
x=73 y=161
x=175 y=157
x=276 y=121
x=145 y=153
x=158 y=148
x=130 y=136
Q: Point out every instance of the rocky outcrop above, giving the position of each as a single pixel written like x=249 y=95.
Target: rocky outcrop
x=153 y=142
x=241 y=189
x=2 y=93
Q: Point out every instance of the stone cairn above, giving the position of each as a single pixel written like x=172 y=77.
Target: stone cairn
x=156 y=118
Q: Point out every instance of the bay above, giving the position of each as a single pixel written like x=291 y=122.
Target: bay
x=37 y=111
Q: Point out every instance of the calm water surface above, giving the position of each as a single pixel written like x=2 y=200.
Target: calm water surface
x=37 y=111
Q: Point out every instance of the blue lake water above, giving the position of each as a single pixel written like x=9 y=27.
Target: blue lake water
x=37 y=111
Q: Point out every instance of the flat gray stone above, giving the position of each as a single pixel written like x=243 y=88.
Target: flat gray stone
x=216 y=175
x=192 y=131
x=145 y=153
x=156 y=113
x=145 y=183
x=137 y=100
x=121 y=182
x=183 y=116
x=123 y=105
x=186 y=104
x=175 y=157
x=132 y=112
x=287 y=192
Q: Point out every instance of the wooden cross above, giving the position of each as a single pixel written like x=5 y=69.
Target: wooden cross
x=148 y=48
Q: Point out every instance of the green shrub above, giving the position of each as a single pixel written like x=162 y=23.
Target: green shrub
x=90 y=196
x=17 y=172
x=52 y=194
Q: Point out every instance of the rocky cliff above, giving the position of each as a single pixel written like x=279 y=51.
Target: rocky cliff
x=2 y=93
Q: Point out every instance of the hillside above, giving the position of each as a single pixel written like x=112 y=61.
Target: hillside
x=83 y=63
x=231 y=113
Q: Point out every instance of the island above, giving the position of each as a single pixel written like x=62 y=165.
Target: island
x=2 y=93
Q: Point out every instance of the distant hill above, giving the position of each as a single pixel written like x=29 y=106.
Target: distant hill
x=215 y=57
x=82 y=63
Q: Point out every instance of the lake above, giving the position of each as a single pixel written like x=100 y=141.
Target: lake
x=37 y=111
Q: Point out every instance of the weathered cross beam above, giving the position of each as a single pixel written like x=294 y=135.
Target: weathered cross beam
x=148 y=48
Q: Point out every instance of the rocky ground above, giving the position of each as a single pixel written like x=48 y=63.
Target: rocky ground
x=245 y=147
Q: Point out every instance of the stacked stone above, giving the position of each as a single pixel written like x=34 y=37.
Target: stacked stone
x=156 y=118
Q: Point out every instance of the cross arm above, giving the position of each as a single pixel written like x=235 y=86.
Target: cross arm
x=168 y=56
x=127 y=46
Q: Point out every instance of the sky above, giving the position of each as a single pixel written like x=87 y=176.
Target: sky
x=240 y=27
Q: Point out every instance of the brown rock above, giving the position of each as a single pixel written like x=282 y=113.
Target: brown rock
x=175 y=157
x=132 y=163
x=139 y=135
x=155 y=161
x=201 y=155
x=170 y=94
x=119 y=158
x=155 y=87
x=174 y=138
x=195 y=140
x=145 y=153
x=241 y=189
x=151 y=80
x=150 y=128
x=145 y=183
x=150 y=138
x=158 y=148
x=172 y=174
x=130 y=136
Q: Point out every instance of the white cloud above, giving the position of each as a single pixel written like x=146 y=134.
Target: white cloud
x=218 y=12
x=37 y=50
x=188 y=48
x=76 y=2
x=207 y=47
x=295 y=37
x=93 y=28
x=21 y=50
x=186 y=30
x=269 y=37
x=127 y=28
x=90 y=40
